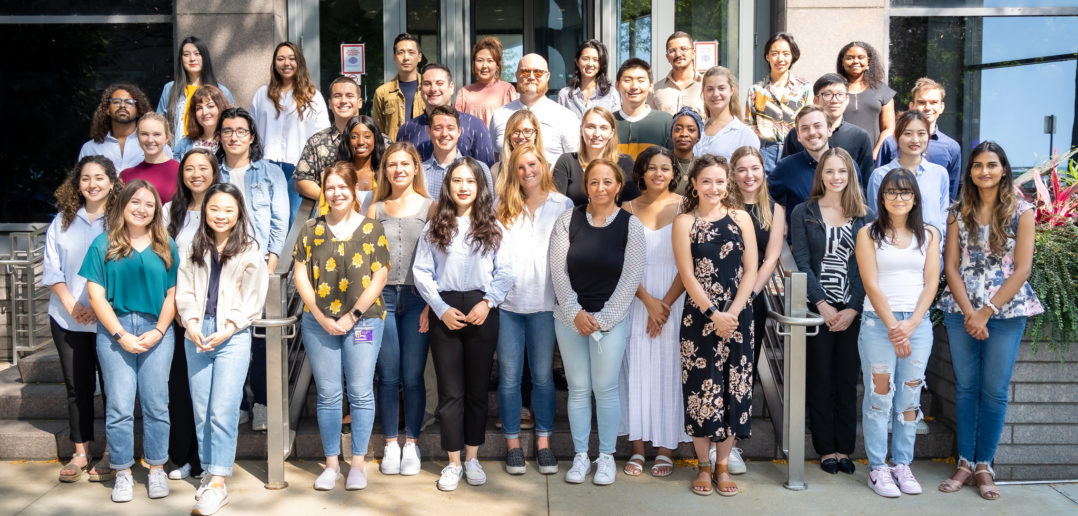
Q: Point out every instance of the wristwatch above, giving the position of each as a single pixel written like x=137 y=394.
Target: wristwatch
x=710 y=311
x=490 y=304
x=119 y=335
x=357 y=314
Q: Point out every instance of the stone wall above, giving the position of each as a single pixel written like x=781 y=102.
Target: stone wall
x=823 y=27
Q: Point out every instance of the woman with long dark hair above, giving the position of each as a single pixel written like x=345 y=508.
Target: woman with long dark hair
x=590 y=84
x=193 y=69
x=489 y=92
x=203 y=118
x=363 y=147
x=220 y=290
x=987 y=260
x=872 y=102
x=463 y=272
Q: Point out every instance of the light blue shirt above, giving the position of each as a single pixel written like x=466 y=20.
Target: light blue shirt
x=459 y=269
x=934 y=183
x=735 y=134
x=573 y=100
x=64 y=252
x=265 y=191
x=110 y=148
x=434 y=174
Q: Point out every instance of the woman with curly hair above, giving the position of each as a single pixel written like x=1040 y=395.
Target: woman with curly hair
x=363 y=147
x=872 y=102
x=84 y=200
x=463 y=272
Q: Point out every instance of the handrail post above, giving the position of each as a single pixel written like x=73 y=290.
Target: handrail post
x=794 y=385
x=277 y=421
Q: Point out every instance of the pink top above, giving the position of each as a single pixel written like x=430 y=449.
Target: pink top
x=161 y=175
x=480 y=100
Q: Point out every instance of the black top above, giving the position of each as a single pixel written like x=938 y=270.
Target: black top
x=762 y=235
x=569 y=178
x=809 y=235
x=408 y=89
x=215 y=284
x=855 y=140
x=595 y=258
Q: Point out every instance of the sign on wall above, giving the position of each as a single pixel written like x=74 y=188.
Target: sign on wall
x=707 y=55
x=353 y=59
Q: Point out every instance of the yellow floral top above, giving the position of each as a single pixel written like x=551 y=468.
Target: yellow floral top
x=340 y=269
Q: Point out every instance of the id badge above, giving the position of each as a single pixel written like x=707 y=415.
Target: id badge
x=364 y=334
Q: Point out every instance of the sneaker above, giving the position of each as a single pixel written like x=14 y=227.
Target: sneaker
x=391 y=459
x=327 y=480
x=527 y=421
x=357 y=478
x=882 y=483
x=245 y=416
x=258 y=418
x=605 y=470
x=410 y=459
x=735 y=465
x=580 y=469
x=157 y=483
x=548 y=464
x=203 y=486
x=210 y=501
x=123 y=489
x=180 y=473
x=712 y=454
x=905 y=480
x=514 y=462
x=451 y=474
x=474 y=473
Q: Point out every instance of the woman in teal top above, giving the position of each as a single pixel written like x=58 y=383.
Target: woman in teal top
x=130 y=272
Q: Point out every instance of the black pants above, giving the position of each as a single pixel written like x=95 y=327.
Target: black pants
x=78 y=360
x=833 y=368
x=462 y=360
x=759 y=322
x=182 y=441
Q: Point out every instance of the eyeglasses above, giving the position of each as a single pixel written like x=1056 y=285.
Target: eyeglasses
x=675 y=50
x=891 y=195
x=839 y=96
x=536 y=74
x=117 y=102
x=527 y=133
x=242 y=133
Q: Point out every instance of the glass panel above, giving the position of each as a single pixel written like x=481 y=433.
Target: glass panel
x=505 y=21
x=69 y=7
x=634 y=31
x=708 y=20
x=424 y=20
x=53 y=97
x=559 y=30
x=1019 y=37
x=351 y=21
x=937 y=4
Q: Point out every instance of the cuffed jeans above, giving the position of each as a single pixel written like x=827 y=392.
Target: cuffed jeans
x=593 y=367
x=127 y=374
x=533 y=333
x=878 y=357
x=401 y=361
x=982 y=374
x=329 y=356
x=216 y=379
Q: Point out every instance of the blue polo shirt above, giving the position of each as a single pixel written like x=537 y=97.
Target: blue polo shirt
x=474 y=139
x=942 y=150
x=791 y=182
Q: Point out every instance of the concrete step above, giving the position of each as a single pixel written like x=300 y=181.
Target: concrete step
x=42 y=367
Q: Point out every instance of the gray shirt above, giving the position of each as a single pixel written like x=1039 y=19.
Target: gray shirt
x=865 y=107
x=403 y=234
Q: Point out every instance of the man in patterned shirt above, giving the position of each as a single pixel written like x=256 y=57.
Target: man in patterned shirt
x=436 y=88
x=321 y=148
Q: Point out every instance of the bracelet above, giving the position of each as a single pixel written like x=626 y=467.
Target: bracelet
x=992 y=306
x=710 y=311
x=159 y=331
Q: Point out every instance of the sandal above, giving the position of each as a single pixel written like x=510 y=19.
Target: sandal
x=662 y=467
x=725 y=486
x=102 y=471
x=635 y=465
x=953 y=484
x=702 y=487
x=989 y=489
x=75 y=469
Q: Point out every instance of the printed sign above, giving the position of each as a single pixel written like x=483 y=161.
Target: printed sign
x=707 y=55
x=353 y=59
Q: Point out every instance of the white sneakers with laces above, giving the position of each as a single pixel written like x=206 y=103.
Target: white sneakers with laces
x=157 y=483
x=123 y=489
x=473 y=471
x=409 y=462
x=881 y=481
x=735 y=465
x=450 y=478
x=391 y=459
x=579 y=470
x=210 y=500
x=905 y=479
x=605 y=470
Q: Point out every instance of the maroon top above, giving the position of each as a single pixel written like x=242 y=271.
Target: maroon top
x=161 y=175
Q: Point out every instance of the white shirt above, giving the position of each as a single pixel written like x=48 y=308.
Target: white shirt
x=237 y=176
x=186 y=235
x=110 y=148
x=734 y=135
x=559 y=126
x=527 y=241
x=284 y=135
x=459 y=269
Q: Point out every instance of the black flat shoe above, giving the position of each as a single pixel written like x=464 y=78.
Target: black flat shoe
x=830 y=466
x=846 y=466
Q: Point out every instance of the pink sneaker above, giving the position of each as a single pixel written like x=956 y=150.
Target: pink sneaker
x=882 y=483
x=904 y=478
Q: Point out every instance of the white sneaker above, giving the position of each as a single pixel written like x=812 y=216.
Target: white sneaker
x=157 y=483
x=474 y=473
x=180 y=473
x=410 y=464
x=450 y=478
x=203 y=486
x=210 y=501
x=327 y=480
x=605 y=470
x=391 y=459
x=579 y=470
x=882 y=483
x=905 y=480
x=258 y=418
x=123 y=489
x=735 y=465
x=245 y=416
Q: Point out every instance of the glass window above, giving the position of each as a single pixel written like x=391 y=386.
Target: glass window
x=69 y=7
x=559 y=30
x=505 y=21
x=940 y=4
x=709 y=20
x=634 y=31
x=424 y=20
x=351 y=21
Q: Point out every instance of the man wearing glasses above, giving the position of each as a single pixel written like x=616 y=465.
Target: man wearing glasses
x=112 y=129
x=559 y=127
x=682 y=86
x=832 y=94
x=398 y=100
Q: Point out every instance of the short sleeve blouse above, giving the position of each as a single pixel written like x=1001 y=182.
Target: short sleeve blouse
x=138 y=282
x=864 y=108
x=340 y=269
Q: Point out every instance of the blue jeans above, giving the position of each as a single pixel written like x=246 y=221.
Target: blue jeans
x=293 y=194
x=982 y=375
x=772 y=153
x=878 y=357
x=535 y=333
x=127 y=374
x=592 y=367
x=329 y=356
x=401 y=361
x=216 y=380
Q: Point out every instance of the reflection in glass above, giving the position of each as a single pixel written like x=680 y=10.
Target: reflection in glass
x=634 y=31
x=505 y=21
x=709 y=20
x=424 y=20
x=351 y=21
x=559 y=30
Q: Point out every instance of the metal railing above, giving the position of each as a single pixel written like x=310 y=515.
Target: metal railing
x=27 y=299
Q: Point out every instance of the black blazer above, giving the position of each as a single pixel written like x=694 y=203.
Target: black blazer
x=809 y=244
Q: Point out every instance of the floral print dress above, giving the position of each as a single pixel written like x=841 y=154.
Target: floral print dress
x=716 y=373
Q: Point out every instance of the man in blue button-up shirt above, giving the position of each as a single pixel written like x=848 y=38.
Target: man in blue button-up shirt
x=112 y=129
x=942 y=150
x=436 y=87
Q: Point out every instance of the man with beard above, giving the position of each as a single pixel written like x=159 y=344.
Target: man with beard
x=559 y=127
x=112 y=129
x=791 y=181
x=681 y=87
x=436 y=87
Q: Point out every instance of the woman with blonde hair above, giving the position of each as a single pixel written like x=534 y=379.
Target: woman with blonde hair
x=522 y=127
x=724 y=131
x=598 y=140
x=489 y=92
x=157 y=167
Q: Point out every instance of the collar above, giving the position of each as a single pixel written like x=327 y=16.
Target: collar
x=434 y=160
x=696 y=78
x=627 y=118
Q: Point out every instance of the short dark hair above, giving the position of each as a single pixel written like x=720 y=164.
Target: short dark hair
x=404 y=36
x=795 y=51
x=255 y=152
x=828 y=79
x=343 y=79
x=437 y=66
x=634 y=62
x=678 y=35
x=445 y=110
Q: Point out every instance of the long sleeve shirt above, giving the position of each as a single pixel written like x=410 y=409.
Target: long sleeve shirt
x=64 y=252
x=284 y=134
x=459 y=268
x=527 y=240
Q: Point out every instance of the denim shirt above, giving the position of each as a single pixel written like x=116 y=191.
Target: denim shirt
x=265 y=191
x=64 y=252
x=809 y=238
x=178 y=129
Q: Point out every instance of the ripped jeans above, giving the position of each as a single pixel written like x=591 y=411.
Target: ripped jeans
x=882 y=371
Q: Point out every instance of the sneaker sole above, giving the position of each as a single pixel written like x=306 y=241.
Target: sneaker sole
x=476 y=482
x=548 y=470
x=737 y=471
x=574 y=481
x=385 y=471
x=151 y=497
x=516 y=470
x=448 y=488
x=122 y=501
x=409 y=472
x=601 y=483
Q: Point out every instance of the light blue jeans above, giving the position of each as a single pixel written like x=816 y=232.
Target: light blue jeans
x=535 y=333
x=593 y=368
x=216 y=380
x=878 y=357
x=982 y=375
x=329 y=356
x=127 y=374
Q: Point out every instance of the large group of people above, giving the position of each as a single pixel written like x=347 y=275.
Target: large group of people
x=627 y=230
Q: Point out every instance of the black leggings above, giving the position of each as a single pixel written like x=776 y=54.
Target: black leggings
x=78 y=360
x=182 y=441
x=833 y=368
x=462 y=361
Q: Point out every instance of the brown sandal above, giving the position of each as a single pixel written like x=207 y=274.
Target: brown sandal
x=702 y=487
x=953 y=484
x=75 y=469
x=102 y=471
x=988 y=488
x=724 y=486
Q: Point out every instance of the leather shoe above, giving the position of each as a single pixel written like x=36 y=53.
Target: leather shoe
x=846 y=466
x=829 y=465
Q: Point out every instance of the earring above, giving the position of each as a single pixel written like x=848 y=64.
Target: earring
x=694 y=194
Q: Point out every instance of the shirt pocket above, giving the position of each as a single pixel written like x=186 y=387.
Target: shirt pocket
x=260 y=197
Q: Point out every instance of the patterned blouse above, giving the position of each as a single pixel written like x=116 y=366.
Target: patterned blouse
x=770 y=111
x=335 y=266
x=984 y=272
x=834 y=269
